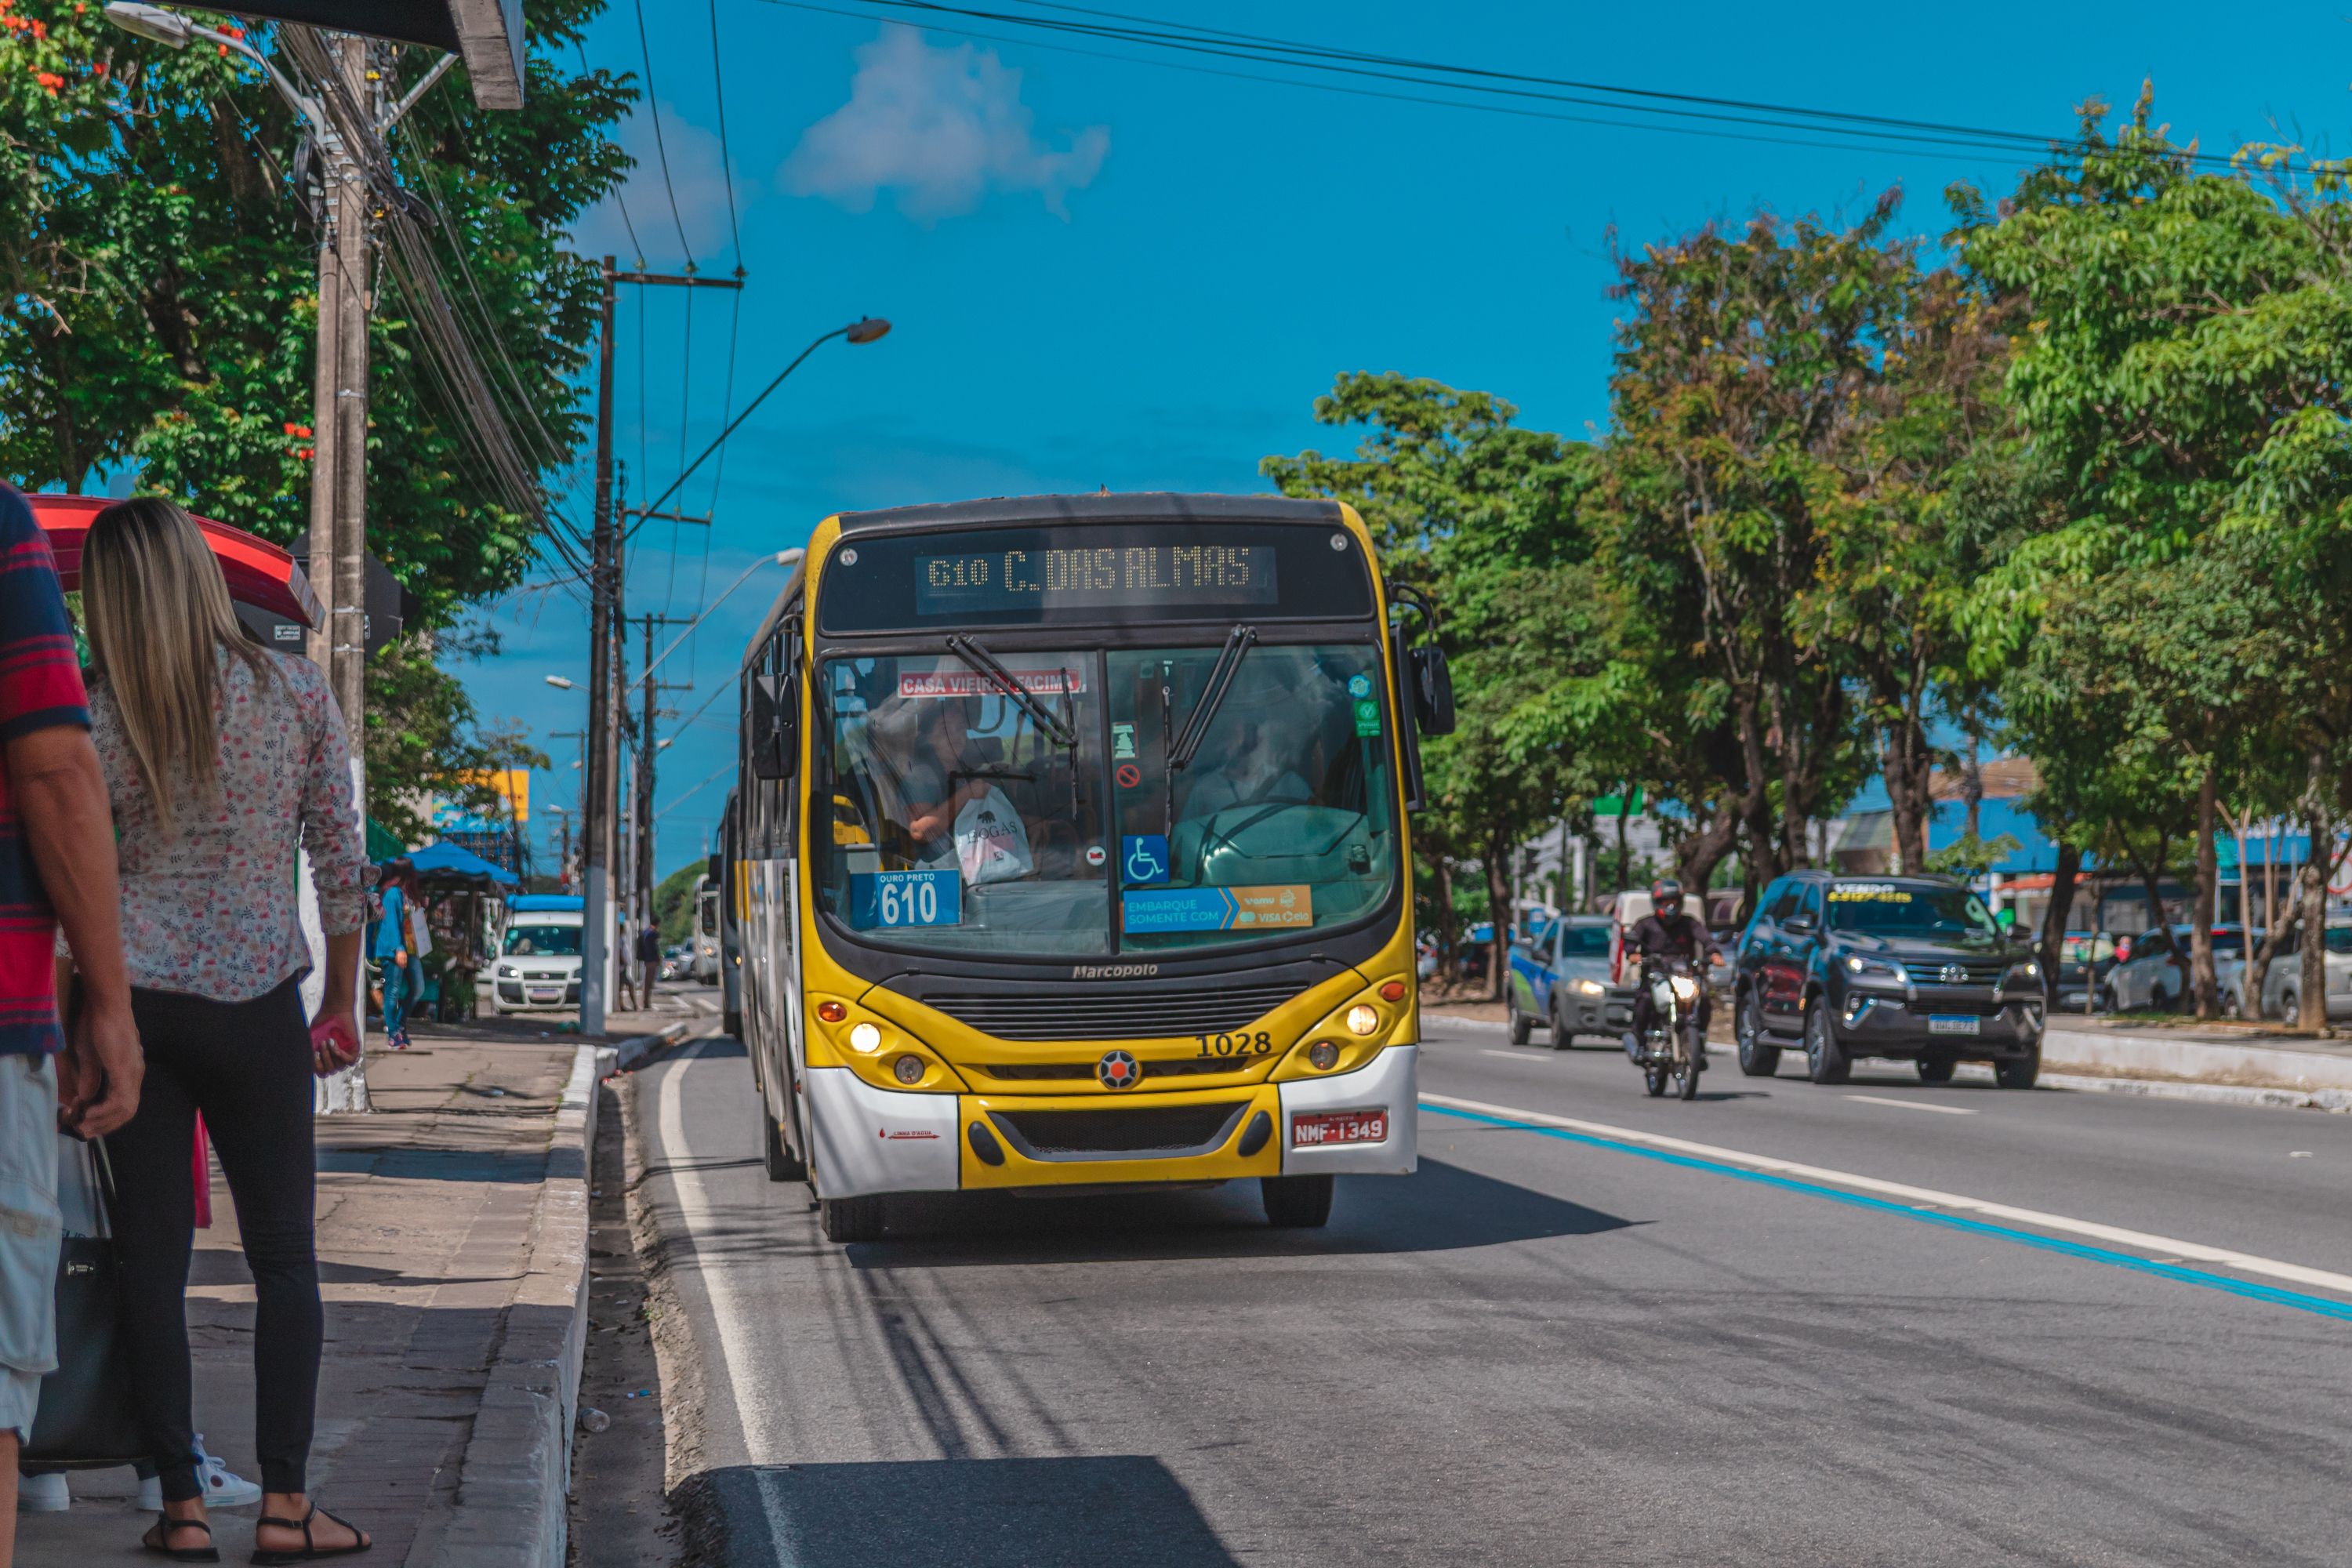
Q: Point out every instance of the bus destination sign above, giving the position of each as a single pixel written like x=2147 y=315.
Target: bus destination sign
x=1139 y=575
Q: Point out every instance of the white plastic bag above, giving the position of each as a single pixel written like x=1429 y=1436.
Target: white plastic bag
x=990 y=843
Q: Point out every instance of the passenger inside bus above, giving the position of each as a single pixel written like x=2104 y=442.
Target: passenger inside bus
x=1252 y=769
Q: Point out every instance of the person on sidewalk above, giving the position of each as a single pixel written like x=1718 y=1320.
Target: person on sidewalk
x=649 y=959
x=392 y=956
x=57 y=873
x=224 y=760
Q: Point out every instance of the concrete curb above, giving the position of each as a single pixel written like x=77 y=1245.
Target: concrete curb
x=636 y=1047
x=513 y=1479
x=2200 y=1061
x=2336 y=1099
x=1491 y=1026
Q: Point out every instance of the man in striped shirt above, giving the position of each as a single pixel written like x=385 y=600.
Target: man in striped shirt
x=57 y=869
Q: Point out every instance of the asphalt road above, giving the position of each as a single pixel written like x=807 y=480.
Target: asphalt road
x=1555 y=1345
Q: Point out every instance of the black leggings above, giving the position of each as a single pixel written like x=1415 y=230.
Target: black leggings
x=247 y=1066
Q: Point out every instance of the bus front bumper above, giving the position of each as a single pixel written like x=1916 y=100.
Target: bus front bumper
x=870 y=1139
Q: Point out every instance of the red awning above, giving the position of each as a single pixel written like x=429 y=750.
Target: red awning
x=258 y=572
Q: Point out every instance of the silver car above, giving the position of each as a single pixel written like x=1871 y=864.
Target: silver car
x=2285 y=979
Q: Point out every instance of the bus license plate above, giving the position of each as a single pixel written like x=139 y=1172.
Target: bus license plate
x=1946 y=1024
x=1320 y=1130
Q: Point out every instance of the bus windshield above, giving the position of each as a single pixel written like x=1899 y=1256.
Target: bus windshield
x=958 y=821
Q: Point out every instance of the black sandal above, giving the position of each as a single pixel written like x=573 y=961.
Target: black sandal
x=309 y=1554
x=159 y=1539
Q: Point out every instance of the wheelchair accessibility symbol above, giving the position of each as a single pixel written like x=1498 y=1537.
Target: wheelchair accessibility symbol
x=1143 y=858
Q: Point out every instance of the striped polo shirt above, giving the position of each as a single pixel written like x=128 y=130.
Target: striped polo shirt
x=40 y=688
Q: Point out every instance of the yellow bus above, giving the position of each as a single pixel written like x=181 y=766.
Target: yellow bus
x=1069 y=852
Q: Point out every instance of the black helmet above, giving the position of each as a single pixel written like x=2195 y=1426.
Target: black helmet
x=1666 y=896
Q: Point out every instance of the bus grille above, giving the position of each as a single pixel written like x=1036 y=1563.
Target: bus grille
x=1183 y=1067
x=1127 y=1016
x=1130 y=1130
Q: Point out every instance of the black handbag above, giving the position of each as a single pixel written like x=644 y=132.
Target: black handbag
x=88 y=1417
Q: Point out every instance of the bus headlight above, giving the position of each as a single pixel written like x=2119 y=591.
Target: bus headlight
x=1324 y=1054
x=866 y=1037
x=1362 y=1020
x=909 y=1068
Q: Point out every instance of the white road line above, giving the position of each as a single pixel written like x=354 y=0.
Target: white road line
x=2114 y=1235
x=694 y=1207
x=1911 y=1105
x=1515 y=1056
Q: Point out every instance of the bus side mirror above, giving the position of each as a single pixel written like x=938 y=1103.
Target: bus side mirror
x=775 y=726
x=1433 y=690
x=716 y=869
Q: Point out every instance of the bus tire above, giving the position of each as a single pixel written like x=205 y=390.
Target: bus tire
x=1295 y=1202
x=852 y=1219
x=783 y=1164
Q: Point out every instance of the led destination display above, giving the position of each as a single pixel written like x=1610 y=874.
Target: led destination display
x=1139 y=575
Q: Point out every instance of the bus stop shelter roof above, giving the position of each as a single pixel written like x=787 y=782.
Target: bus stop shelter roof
x=258 y=572
x=486 y=33
x=446 y=861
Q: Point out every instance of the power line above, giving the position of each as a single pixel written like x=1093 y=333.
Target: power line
x=726 y=166
x=653 y=106
x=1863 y=130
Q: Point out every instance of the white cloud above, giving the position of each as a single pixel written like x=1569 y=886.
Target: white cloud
x=941 y=127
x=697 y=175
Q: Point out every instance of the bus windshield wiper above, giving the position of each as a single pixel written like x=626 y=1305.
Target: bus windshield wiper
x=1212 y=696
x=984 y=665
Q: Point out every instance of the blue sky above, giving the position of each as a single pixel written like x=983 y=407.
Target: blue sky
x=1104 y=272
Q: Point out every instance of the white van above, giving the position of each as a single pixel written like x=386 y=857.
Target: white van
x=538 y=962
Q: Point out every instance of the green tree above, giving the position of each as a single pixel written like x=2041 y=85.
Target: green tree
x=161 y=284
x=1481 y=514
x=425 y=744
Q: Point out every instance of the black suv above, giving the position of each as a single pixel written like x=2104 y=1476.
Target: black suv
x=1885 y=966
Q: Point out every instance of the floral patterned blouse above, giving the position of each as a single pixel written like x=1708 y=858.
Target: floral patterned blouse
x=216 y=912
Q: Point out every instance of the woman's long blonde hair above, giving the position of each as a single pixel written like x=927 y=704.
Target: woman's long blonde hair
x=156 y=606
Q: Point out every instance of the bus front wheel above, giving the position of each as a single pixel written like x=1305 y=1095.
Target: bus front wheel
x=1295 y=1202
x=782 y=1163
x=852 y=1219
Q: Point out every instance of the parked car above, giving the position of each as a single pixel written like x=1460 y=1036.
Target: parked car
x=1909 y=967
x=1559 y=981
x=2279 y=989
x=2156 y=976
x=2085 y=960
x=539 y=952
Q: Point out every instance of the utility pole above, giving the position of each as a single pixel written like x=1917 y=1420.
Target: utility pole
x=646 y=748
x=599 y=798
x=339 y=461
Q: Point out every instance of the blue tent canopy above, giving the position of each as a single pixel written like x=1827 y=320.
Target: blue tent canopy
x=448 y=860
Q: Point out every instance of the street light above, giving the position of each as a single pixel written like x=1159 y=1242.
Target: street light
x=175 y=31
x=561 y=683
x=865 y=330
x=781 y=558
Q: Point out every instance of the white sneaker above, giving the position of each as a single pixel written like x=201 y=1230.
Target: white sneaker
x=43 y=1494
x=224 y=1487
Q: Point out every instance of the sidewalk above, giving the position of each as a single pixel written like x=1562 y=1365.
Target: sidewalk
x=453 y=1254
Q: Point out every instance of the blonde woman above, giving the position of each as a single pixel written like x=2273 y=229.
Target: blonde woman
x=222 y=759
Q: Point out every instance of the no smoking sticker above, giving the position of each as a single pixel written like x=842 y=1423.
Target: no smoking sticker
x=1130 y=776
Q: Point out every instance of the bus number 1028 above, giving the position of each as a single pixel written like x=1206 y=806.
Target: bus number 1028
x=1258 y=1045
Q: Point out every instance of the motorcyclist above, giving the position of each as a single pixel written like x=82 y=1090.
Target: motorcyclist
x=1667 y=932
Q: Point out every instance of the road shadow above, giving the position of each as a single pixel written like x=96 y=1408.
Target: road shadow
x=1443 y=1208
x=1073 y=1512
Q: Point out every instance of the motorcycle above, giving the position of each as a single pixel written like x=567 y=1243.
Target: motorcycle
x=1670 y=1050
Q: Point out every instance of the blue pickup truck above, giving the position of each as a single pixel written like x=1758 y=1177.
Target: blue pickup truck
x=1559 y=981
